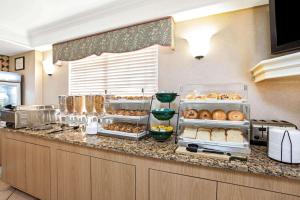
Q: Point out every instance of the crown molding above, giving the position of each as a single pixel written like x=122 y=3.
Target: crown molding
x=7 y=34
x=109 y=17
x=116 y=14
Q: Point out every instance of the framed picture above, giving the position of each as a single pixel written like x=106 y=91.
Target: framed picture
x=20 y=63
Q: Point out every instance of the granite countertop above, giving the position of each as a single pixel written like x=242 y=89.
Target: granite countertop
x=257 y=163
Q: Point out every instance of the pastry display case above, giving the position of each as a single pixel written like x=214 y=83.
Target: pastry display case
x=214 y=117
x=125 y=116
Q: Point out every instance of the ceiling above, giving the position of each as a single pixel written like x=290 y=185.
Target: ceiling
x=25 y=25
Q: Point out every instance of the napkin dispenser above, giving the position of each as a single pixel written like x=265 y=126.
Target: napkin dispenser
x=284 y=145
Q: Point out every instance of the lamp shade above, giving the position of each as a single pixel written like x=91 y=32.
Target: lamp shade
x=48 y=66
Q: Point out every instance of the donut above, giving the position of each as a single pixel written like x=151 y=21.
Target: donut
x=204 y=114
x=219 y=115
x=191 y=114
x=235 y=115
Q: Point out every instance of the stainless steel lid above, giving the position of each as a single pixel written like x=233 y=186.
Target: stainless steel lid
x=272 y=123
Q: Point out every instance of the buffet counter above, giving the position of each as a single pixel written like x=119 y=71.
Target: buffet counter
x=71 y=165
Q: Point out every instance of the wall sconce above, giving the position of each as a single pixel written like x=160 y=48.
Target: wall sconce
x=199 y=41
x=199 y=46
x=49 y=67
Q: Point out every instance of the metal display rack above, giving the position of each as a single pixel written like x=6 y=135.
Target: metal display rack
x=119 y=112
x=211 y=104
x=151 y=117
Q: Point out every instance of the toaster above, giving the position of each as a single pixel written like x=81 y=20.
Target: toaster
x=29 y=116
x=260 y=130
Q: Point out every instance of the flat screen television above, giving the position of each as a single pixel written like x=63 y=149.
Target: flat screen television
x=285 y=25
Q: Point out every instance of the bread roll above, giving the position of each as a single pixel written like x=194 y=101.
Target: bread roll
x=235 y=115
x=219 y=115
x=204 y=114
x=223 y=96
x=235 y=135
x=218 y=134
x=234 y=96
x=212 y=96
x=189 y=132
x=203 y=134
x=190 y=96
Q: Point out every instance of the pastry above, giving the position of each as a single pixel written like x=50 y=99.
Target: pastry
x=235 y=115
x=136 y=130
x=204 y=114
x=191 y=114
x=235 y=135
x=223 y=96
x=218 y=134
x=127 y=112
x=190 y=96
x=189 y=132
x=203 y=134
x=200 y=97
x=212 y=95
x=219 y=115
x=234 y=96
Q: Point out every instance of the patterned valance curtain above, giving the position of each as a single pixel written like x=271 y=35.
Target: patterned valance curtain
x=126 y=39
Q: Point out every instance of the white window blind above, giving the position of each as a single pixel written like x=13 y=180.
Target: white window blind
x=118 y=73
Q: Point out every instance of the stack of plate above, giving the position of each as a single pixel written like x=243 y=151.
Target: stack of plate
x=284 y=145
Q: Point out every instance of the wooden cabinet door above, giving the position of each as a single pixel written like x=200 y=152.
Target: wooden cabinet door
x=15 y=173
x=112 y=180
x=73 y=176
x=38 y=171
x=169 y=186
x=235 y=192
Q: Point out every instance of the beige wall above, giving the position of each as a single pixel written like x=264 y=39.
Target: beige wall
x=55 y=85
x=31 y=85
x=241 y=41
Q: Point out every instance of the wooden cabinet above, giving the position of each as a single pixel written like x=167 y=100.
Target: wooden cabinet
x=112 y=180
x=169 y=186
x=57 y=171
x=235 y=192
x=15 y=157
x=73 y=176
x=38 y=171
x=27 y=167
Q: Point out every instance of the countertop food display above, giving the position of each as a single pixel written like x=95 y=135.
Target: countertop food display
x=125 y=116
x=215 y=117
x=257 y=162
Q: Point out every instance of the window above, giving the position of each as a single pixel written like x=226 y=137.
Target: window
x=118 y=73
